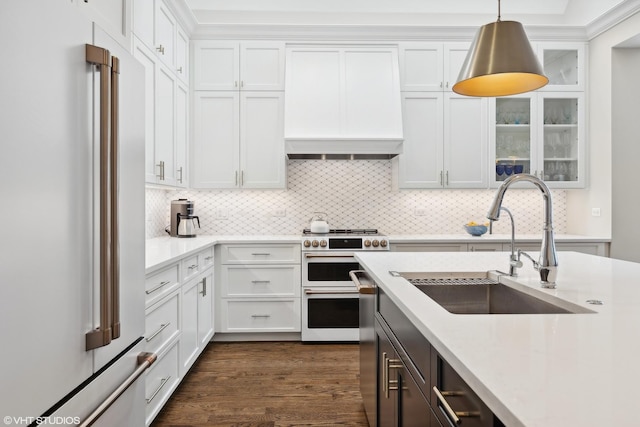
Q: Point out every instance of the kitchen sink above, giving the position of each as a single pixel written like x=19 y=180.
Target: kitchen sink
x=479 y=293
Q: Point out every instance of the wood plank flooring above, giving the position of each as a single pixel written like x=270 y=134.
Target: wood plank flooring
x=269 y=384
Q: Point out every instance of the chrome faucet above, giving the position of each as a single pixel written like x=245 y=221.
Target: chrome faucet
x=547 y=264
x=514 y=260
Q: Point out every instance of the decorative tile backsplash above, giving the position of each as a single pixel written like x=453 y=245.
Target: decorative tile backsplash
x=353 y=194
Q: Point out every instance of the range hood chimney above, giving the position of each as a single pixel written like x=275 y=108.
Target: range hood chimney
x=342 y=102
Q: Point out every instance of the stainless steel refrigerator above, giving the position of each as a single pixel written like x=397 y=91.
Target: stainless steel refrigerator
x=71 y=234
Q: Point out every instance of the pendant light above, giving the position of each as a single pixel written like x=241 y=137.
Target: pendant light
x=500 y=62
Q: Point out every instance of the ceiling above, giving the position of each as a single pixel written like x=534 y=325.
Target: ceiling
x=398 y=12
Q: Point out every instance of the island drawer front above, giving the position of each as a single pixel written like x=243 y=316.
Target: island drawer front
x=260 y=316
x=263 y=281
x=260 y=254
x=160 y=381
x=161 y=323
x=414 y=344
x=459 y=396
x=159 y=284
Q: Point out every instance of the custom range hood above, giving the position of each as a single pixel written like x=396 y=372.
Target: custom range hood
x=342 y=102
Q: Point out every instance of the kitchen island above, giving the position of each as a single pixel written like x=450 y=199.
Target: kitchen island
x=534 y=369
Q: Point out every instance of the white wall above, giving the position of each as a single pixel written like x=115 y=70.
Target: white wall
x=626 y=154
x=599 y=129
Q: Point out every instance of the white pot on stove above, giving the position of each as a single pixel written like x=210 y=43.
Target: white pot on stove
x=318 y=223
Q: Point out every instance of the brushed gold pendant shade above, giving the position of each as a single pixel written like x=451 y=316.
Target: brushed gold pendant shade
x=500 y=62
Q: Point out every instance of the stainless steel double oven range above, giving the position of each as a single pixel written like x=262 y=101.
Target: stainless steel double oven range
x=329 y=297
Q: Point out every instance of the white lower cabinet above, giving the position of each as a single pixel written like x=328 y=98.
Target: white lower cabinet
x=197 y=318
x=179 y=322
x=248 y=315
x=161 y=380
x=259 y=287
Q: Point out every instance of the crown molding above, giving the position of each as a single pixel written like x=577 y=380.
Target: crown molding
x=370 y=32
x=184 y=15
x=613 y=17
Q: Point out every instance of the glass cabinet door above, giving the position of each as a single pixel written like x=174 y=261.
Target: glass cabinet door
x=563 y=64
x=562 y=151
x=514 y=139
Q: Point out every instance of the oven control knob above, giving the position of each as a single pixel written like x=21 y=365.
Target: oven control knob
x=367 y=243
x=307 y=243
x=383 y=243
x=323 y=243
x=315 y=243
x=375 y=243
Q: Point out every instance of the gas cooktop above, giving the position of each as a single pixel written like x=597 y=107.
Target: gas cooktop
x=344 y=239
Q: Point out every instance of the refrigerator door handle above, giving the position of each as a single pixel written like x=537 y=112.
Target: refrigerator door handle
x=102 y=335
x=145 y=360
x=115 y=175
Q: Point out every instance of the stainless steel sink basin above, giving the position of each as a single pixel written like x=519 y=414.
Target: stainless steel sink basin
x=478 y=293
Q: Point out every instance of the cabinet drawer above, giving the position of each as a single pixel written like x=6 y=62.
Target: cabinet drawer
x=206 y=257
x=196 y=263
x=260 y=316
x=265 y=281
x=458 y=396
x=261 y=254
x=161 y=322
x=190 y=268
x=160 y=381
x=412 y=342
x=159 y=284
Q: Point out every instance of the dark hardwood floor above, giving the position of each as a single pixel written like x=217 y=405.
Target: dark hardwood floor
x=268 y=384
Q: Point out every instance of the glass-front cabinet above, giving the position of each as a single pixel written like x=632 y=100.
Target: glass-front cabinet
x=542 y=134
x=563 y=64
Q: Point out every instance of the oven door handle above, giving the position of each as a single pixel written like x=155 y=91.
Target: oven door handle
x=313 y=292
x=362 y=288
x=328 y=255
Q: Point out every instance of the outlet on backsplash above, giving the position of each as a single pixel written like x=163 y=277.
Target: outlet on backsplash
x=279 y=213
x=421 y=211
x=220 y=214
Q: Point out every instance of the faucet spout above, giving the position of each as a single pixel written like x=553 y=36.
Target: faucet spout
x=548 y=261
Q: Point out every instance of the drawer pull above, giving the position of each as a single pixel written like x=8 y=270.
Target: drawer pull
x=192 y=266
x=387 y=383
x=261 y=254
x=256 y=316
x=204 y=287
x=454 y=416
x=155 y=288
x=163 y=381
x=210 y=257
x=256 y=282
x=155 y=334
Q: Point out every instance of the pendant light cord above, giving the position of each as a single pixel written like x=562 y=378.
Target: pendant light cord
x=498 y=10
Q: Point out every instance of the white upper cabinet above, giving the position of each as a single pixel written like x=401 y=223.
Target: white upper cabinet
x=542 y=134
x=445 y=144
x=165 y=34
x=248 y=65
x=342 y=92
x=564 y=65
x=166 y=102
x=430 y=66
x=238 y=140
x=157 y=28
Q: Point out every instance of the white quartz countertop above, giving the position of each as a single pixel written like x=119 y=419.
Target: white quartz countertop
x=538 y=370
x=161 y=251
x=466 y=238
